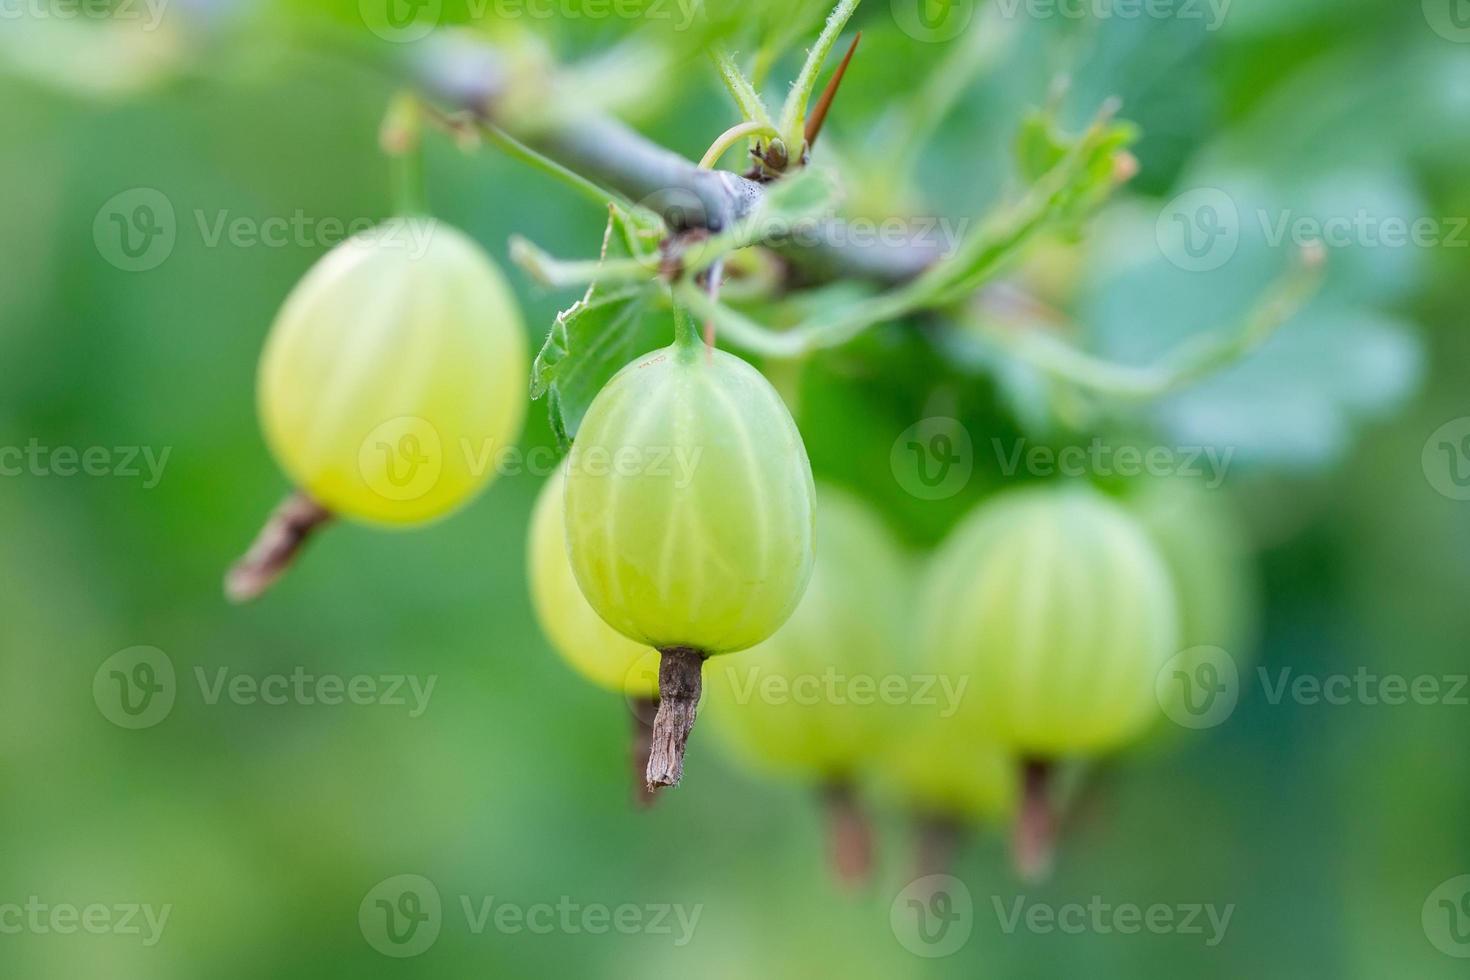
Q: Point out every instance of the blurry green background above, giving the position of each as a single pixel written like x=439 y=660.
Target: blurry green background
x=1327 y=827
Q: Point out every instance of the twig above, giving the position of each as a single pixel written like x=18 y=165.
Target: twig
x=276 y=547
x=679 y=683
x=939 y=837
x=1034 y=844
x=849 y=833
x=644 y=712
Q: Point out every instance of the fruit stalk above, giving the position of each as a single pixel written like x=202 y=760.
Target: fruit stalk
x=276 y=547
x=939 y=838
x=679 y=682
x=849 y=834
x=645 y=710
x=1034 y=843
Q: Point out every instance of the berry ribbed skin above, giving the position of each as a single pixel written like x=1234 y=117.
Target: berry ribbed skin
x=594 y=649
x=1058 y=605
x=795 y=703
x=690 y=503
x=394 y=373
x=689 y=518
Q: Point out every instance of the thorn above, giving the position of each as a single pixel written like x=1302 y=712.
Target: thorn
x=819 y=112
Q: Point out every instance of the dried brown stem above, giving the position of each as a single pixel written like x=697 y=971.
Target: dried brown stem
x=644 y=712
x=680 y=679
x=940 y=836
x=1034 y=842
x=849 y=833
x=276 y=547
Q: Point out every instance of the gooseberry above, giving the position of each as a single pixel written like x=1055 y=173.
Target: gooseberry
x=592 y=648
x=689 y=516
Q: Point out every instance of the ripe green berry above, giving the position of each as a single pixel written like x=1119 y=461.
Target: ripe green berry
x=594 y=649
x=795 y=704
x=689 y=517
x=1059 y=605
x=396 y=364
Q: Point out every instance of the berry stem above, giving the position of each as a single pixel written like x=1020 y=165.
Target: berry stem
x=276 y=547
x=679 y=682
x=849 y=833
x=939 y=836
x=644 y=712
x=1034 y=843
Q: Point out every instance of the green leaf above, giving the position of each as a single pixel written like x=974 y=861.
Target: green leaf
x=752 y=109
x=589 y=343
x=613 y=322
x=793 y=112
x=1039 y=145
